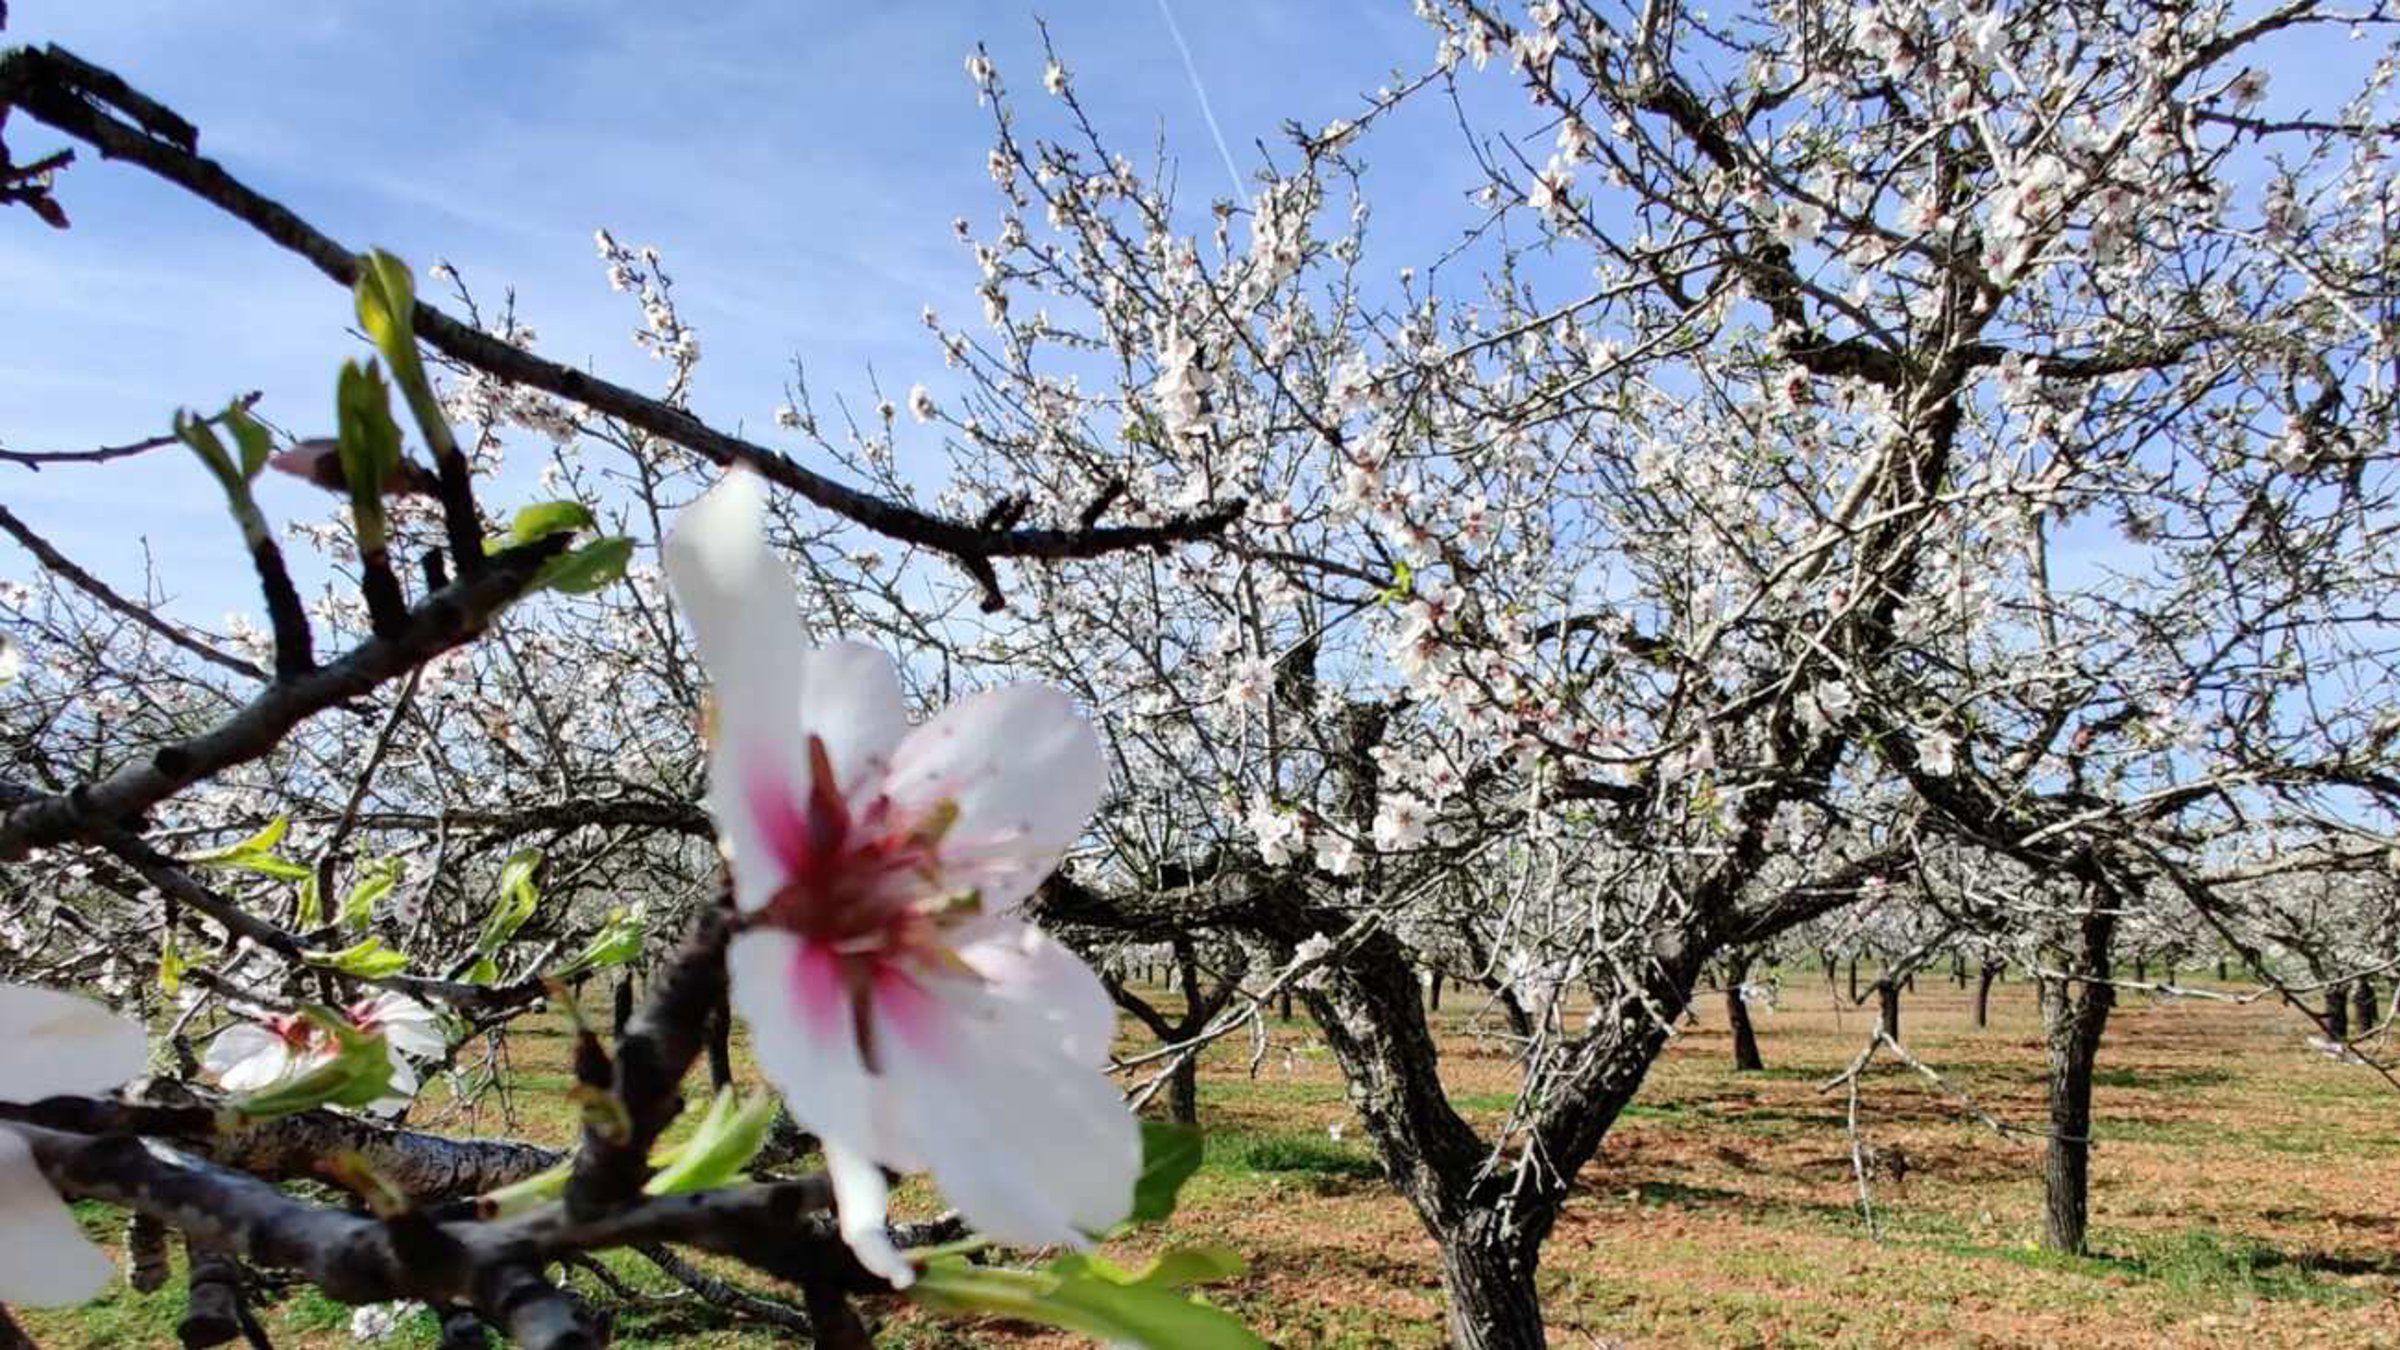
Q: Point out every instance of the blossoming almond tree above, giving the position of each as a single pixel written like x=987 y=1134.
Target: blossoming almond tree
x=869 y=943
x=1868 y=427
x=1866 y=435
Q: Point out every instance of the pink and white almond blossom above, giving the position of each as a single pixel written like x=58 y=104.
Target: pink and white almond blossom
x=248 y=1056
x=53 y=1044
x=909 y=1019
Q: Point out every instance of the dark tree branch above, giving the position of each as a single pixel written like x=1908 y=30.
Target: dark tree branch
x=75 y=97
x=443 y=621
x=63 y=567
x=37 y=460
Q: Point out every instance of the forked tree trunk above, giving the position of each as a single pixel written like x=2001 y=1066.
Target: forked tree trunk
x=2337 y=1012
x=720 y=1044
x=622 y=1012
x=2075 y=1009
x=1745 y=1037
x=1983 y=992
x=1183 y=1092
x=1887 y=1006
x=1493 y=1305
x=1737 y=1012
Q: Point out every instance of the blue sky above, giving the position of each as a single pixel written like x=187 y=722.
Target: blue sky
x=799 y=163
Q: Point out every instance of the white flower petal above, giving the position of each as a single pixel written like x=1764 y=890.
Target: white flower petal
x=46 y=1262
x=1025 y=771
x=803 y=1034
x=53 y=1043
x=1031 y=1143
x=745 y=618
x=850 y=700
x=399 y=1092
x=1039 y=985
x=410 y=1027
x=859 y=1197
x=258 y=1058
x=246 y=1056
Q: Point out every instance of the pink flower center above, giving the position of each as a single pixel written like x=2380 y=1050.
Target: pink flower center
x=861 y=888
x=293 y=1029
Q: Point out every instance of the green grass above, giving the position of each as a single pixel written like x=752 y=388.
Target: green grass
x=1316 y=1157
x=2197 y=1264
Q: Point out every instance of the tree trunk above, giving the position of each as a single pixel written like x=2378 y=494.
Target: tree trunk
x=720 y=1044
x=1983 y=992
x=2337 y=1013
x=2074 y=1014
x=1958 y=970
x=1745 y=1037
x=1737 y=1012
x=1491 y=1295
x=2141 y=968
x=1183 y=1092
x=622 y=1012
x=1887 y=1005
x=1287 y=1003
x=2363 y=1004
x=2221 y=975
x=1832 y=965
x=1433 y=990
x=1854 y=979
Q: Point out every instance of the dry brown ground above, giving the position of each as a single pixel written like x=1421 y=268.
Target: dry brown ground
x=2246 y=1192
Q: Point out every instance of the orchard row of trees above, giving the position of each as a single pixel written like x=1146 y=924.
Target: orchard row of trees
x=1904 y=480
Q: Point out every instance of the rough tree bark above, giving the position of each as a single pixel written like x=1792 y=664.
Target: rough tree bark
x=1887 y=1006
x=1737 y=1012
x=2075 y=1005
x=621 y=1011
x=720 y=1045
x=2337 y=1012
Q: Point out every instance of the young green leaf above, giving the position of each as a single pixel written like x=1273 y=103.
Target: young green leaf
x=369 y=446
x=515 y=902
x=268 y=836
x=586 y=569
x=358 y=1074
x=257 y=446
x=543 y=519
x=1170 y=1155
x=618 y=941
x=359 y=905
x=368 y=959
x=730 y=1135
x=257 y=854
x=1079 y=1295
x=171 y=965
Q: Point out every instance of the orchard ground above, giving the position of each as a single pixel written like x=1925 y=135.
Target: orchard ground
x=2246 y=1191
